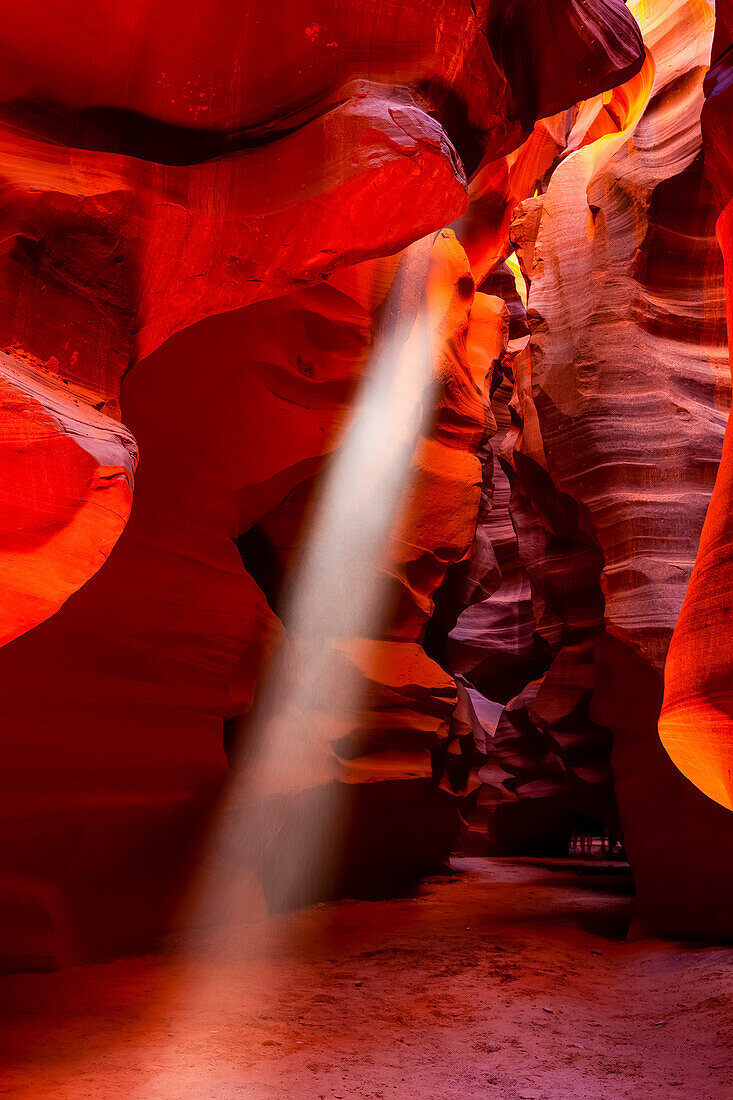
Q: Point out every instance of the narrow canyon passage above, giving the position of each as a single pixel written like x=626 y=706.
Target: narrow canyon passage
x=366 y=550
x=505 y=980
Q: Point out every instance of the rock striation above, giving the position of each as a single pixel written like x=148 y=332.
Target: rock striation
x=696 y=726
x=197 y=256
x=619 y=406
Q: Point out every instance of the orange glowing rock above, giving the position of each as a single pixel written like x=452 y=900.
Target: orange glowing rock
x=66 y=475
x=153 y=256
x=696 y=724
x=409 y=719
x=621 y=401
x=171 y=637
x=154 y=186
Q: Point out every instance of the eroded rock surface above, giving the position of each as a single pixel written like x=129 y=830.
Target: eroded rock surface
x=203 y=251
x=620 y=404
x=696 y=726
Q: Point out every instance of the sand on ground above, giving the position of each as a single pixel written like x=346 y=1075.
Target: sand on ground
x=508 y=979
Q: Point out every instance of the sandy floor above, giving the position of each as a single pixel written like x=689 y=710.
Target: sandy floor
x=510 y=980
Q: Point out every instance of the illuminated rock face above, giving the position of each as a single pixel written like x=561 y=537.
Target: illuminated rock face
x=166 y=182
x=621 y=402
x=230 y=232
x=633 y=434
x=67 y=479
x=696 y=726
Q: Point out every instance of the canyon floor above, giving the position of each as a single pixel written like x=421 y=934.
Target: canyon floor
x=507 y=979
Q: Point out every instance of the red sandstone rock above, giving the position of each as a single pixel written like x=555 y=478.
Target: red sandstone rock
x=153 y=187
x=66 y=472
x=696 y=725
x=486 y=69
x=117 y=247
x=171 y=637
x=622 y=412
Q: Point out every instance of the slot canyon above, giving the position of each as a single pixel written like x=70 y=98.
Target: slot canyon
x=366 y=542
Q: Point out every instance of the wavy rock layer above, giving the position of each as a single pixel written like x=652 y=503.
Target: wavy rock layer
x=621 y=401
x=164 y=183
x=231 y=232
x=646 y=419
x=67 y=473
x=696 y=725
x=169 y=640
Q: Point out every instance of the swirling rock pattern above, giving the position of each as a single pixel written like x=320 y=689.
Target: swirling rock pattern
x=696 y=726
x=647 y=216
x=622 y=401
x=230 y=232
x=67 y=478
